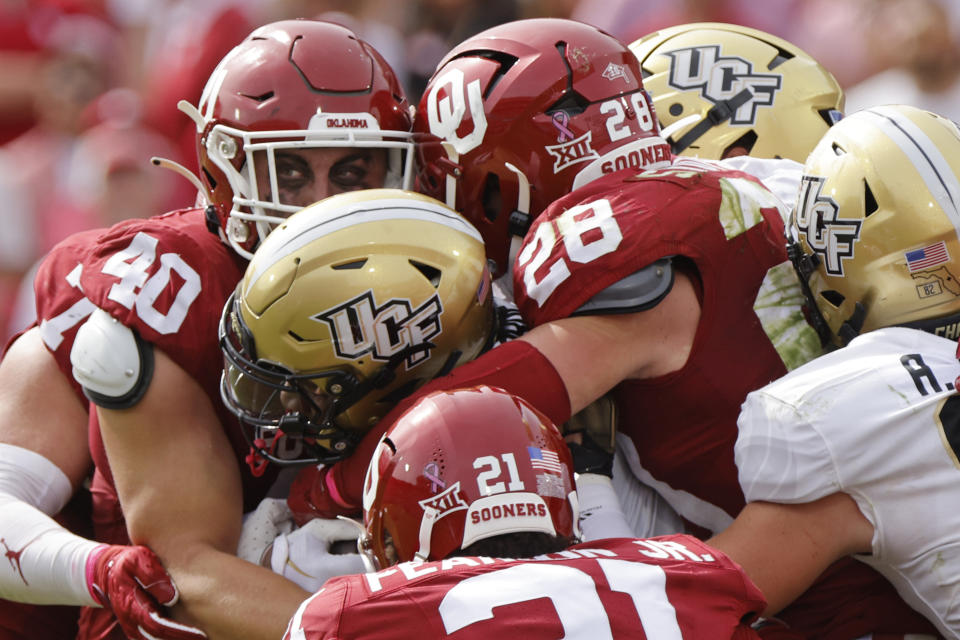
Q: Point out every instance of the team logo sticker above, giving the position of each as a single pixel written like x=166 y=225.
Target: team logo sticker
x=830 y=236
x=445 y=503
x=570 y=153
x=720 y=78
x=361 y=328
x=614 y=71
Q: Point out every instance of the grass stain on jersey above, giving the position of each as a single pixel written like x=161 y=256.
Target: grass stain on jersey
x=779 y=307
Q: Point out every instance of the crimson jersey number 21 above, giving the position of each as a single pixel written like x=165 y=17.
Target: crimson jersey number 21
x=573 y=593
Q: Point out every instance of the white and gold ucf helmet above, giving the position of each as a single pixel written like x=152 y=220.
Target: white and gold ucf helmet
x=347 y=307
x=875 y=235
x=716 y=86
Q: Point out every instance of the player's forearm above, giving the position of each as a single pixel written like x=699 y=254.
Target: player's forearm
x=784 y=547
x=45 y=562
x=230 y=598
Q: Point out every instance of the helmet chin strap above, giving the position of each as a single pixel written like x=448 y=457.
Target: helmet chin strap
x=520 y=218
x=450 y=196
x=426 y=531
x=718 y=113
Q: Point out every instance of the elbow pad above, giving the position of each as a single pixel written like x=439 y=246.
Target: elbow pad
x=111 y=362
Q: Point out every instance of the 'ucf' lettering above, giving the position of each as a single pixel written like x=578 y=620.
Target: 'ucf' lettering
x=359 y=327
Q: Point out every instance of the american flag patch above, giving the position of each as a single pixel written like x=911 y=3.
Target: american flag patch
x=545 y=460
x=931 y=256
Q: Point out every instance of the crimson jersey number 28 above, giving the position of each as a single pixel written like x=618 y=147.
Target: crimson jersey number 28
x=588 y=231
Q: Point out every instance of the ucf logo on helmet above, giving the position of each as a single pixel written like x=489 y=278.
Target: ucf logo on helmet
x=360 y=327
x=720 y=78
x=816 y=218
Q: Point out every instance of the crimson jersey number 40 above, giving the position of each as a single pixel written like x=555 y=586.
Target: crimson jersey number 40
x=136 y=289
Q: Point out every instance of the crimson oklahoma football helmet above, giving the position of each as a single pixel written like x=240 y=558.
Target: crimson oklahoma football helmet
x=292 y=84
x=461 y=466
x=520 y=114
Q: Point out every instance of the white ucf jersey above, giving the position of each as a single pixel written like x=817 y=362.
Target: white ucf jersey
x=879 y=420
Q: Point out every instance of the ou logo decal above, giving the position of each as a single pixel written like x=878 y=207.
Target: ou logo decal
x=446 y=114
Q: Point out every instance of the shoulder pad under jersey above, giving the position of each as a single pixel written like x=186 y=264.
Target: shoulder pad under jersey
x=640 y=290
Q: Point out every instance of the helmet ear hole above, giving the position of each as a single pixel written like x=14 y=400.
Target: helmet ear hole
x=746 y=141
x=870 y=205
x=492 y=200
x=430 y=273
x=834 y=298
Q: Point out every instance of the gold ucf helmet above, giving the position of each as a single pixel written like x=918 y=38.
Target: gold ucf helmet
x=874 y=235
x=347 y=307
x=717 y=86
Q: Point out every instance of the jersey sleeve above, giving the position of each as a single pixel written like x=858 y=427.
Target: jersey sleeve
x=167 y=278
x=61 y=303
x=617 y=225
x=723 y=579
x=780 y=457
x=318 y=616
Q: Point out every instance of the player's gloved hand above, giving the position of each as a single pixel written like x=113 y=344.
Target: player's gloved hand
x=309 y=557
x=588 y=456
x=314 y=491
x=261 y=527
x=132 y=583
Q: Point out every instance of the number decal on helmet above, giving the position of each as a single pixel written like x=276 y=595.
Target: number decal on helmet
x=641 y=113
x=493 y=471
x=446 y=114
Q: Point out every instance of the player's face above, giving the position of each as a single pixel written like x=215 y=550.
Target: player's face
x=310 y=401
x=307 y=175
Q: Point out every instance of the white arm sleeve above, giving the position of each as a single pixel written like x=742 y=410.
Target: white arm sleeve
x=42 y=562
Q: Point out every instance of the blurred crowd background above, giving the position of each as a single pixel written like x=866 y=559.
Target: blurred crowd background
x=88 y=88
